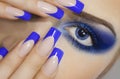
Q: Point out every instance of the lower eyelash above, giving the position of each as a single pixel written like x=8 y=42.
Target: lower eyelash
x=78 y=45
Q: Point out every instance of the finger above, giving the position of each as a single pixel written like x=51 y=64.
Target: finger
x=15 y=57
x=37 y=7
x=48 y=71
x=10 y=12
x=37 y=57
x=3 y=52
x=7 y=44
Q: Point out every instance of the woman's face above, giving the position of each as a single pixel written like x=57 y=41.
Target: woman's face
x=89 y=41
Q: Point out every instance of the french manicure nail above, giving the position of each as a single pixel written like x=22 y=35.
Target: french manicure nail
x=54 y=33
x=51 y=65
x=28 y=44
x=45 y=46
x=59 y=13
x=25 y=48
x=33 y=36
x=49 y=41
x=3 y=52
x=57 y=52
x=74 y=5
x=24 y=15
x=50 y=9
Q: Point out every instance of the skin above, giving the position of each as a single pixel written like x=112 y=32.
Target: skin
x=76 y=64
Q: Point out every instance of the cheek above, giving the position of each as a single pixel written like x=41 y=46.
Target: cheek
x=80 y=65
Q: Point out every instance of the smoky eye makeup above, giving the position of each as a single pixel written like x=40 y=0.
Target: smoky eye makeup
x=88 y=33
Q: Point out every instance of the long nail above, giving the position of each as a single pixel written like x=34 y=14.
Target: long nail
x=24 y=15
x=33 y=36
x=51 y=65
x=49 y=41
x=57 y=52
x=45 y=46
x=74 y=5
x=3 y=52
x=28 y=44
x=54 y=33
x=50 y=9
x=25 y=48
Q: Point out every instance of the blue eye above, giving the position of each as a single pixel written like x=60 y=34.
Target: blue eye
x=82 y=33
x=88 y=38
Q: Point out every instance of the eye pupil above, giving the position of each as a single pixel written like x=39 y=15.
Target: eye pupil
x=82 y=33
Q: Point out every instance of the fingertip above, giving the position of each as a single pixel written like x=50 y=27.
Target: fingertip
x=26 y=17
x=3 y=52
x=59 y=14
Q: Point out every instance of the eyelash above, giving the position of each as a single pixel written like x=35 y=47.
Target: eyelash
x=96 y=47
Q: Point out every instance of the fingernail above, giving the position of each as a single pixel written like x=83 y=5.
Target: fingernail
x=3 y=52
x=28 y=44
x=50 y=9
x=53 y=32
x=51 y=65
x=49 y=41
x=74 y=5
x=46 y=45
x=25 y=48
x=33 y=36
x=24 y=15
x=57 y=52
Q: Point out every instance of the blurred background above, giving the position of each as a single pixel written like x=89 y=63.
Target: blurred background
x=114 y=73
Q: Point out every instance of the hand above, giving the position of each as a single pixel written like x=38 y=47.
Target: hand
x=13 y=9
x=31 y=59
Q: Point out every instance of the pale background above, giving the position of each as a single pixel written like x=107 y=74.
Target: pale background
x=114 y=73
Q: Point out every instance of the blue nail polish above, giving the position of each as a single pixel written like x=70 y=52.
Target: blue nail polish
x=59 y=14
x=58 y=52
x=55 y=33
x=33 y=36
x=27 y=16
x=3 y=51
x=77 y=8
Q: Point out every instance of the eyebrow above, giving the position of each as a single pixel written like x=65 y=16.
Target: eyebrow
x=95 y=19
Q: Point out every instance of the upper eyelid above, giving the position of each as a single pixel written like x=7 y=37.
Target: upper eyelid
x=88 y=18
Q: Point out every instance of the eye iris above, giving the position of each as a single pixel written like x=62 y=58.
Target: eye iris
x=82 y=33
